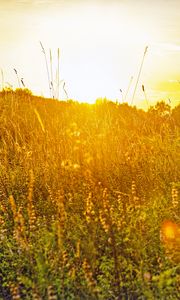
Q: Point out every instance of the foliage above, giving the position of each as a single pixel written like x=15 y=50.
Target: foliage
x=84 y=191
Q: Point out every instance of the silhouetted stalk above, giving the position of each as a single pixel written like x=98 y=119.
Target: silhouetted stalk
x=2 y=79
x=139 y=74
x=47 y=69
x=128 y=88
x=65 y=90
x=58 y=57
x=51 y=70
x=121 y=95
x=19 y=84
x=145 y=95
x=22 y=81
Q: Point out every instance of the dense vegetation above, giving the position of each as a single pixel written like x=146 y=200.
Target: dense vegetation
x=88 y=200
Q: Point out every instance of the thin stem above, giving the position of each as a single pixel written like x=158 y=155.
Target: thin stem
x=139 y=74
x=47 y=69
x=121 y=95
x=58 y=56
x=2 y=78
x=145 y=95
x=17 y=78
x=128 y=88
x=22 y=81
x=65 y=90
x=51 y=68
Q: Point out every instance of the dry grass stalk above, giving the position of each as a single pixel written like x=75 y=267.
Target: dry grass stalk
x=30 y=205
x=39 y=119
x=51 y=294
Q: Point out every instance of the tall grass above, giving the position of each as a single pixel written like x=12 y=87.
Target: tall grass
x=139 y=73
x=53 y=85
x=85 y=191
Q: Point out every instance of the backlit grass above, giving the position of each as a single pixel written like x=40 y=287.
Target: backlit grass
x=89 y=205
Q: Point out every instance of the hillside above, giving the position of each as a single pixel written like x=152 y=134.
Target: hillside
x=88 y=196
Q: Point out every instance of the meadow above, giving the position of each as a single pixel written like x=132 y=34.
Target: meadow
x=89 y=205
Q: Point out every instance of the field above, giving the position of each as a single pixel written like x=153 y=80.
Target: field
x=89 y=205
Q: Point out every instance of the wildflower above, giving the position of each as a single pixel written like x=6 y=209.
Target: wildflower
x=174 y=194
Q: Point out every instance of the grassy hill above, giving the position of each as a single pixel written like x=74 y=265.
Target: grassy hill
x=89 y=205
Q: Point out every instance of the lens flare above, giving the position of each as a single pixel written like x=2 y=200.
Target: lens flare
x=169 y=231
x=170 y=238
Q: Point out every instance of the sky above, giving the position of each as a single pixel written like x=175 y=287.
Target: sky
x=102 y=48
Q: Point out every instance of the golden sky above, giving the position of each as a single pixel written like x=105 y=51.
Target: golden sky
x=101 y=47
